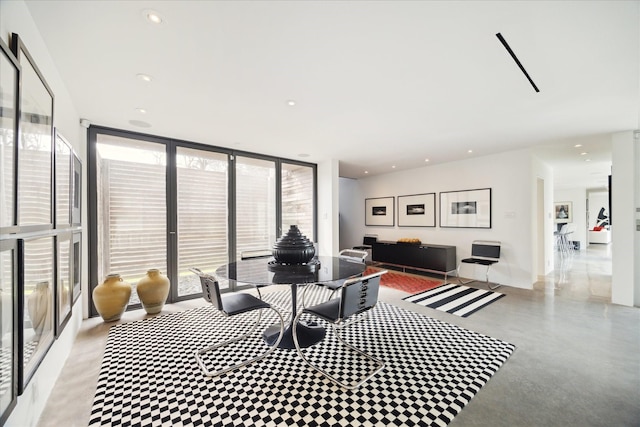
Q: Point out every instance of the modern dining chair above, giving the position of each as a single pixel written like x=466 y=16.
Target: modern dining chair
x=357 y=297
x=232 y=305
x=483 y=252
x=355 y=254
x=253 y=254
x=367 y=243
x=347 y=254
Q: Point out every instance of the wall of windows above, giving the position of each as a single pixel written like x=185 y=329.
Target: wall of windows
x=160 y=203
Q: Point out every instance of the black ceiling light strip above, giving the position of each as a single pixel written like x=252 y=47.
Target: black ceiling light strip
x=515 y=58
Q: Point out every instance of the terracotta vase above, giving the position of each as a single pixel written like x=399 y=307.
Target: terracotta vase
x=111 y=297
x=153 y=290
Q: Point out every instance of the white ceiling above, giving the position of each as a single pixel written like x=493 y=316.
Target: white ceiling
x=377 y=84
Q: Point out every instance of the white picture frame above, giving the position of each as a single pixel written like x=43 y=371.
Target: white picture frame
x=466 y=208
x=563 y=212
x=417 y=210
x=379 y=211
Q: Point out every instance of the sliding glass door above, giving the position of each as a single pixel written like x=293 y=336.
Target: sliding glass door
x=131 y=208
x=202 y=213
x=298 y=198
x=172 y=205
x=255 y=210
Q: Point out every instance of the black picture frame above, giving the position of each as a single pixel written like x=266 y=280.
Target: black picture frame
x=466 y=208
x=35 y=144
x=76 y=254
x=9 y=356
x=36 y=309
x=379 y=211
x=63 y=162
x=10 y=88
x=64 y=280
x=417 y=210
x=76 y=190
x=562 y=212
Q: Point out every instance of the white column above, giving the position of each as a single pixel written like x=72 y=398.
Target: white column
x=625 y=211
x=328 y=204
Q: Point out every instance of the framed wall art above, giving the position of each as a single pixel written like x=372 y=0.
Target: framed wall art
x=563 y=212
x=76 y=254
x=76 y=190
x=36 y=293
x=64 y=280
x=9 y=78
x=8 y=327
x=35 y=146
x=379 y=211
x=417 y=210
x=466 y=208
x=63 y=172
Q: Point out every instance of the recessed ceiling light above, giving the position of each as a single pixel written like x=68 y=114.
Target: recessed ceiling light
x=153 y=16
x=366 y=171
x=470 y=151
x=303 y=155
x=426 y=160
x=144 y=77
x=291 y=102
x=578 y=145
x=140 y=123
x=587 y=160
x=584 y=153
x=141 y=110
x=393 y=167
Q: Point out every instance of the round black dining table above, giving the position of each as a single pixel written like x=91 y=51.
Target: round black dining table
x=263 y=271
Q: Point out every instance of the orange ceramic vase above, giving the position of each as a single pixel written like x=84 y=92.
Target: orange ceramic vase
x=111 y=297
x=153 y=290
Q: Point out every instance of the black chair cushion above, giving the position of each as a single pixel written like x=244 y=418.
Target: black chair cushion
x=241 y=303
x=329 y=310
x=479 y=261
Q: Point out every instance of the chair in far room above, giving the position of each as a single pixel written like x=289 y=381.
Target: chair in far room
x=483 y=252
x=354 y=254
x=367 y=242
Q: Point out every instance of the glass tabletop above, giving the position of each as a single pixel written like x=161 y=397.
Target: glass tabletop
x=261 y=271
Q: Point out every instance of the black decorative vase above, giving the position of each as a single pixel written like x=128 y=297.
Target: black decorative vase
x=293 y=248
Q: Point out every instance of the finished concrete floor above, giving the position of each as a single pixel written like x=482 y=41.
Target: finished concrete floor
x=577 y=361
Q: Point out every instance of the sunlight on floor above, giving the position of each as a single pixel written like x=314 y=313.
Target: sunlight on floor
x=581 y=275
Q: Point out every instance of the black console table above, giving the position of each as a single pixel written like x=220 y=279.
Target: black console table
x=432 y=258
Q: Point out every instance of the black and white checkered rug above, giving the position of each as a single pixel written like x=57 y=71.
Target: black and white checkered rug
x=149 y=376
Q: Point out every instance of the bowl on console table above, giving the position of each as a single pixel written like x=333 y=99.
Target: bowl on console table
x=409 y=241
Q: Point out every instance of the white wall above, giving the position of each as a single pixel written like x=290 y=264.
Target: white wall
x=578 y=199
x=15 y=18
x=509 y=175
x=328 y=202
x=542 y=248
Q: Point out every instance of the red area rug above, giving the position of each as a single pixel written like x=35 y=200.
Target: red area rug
x=405 y=282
